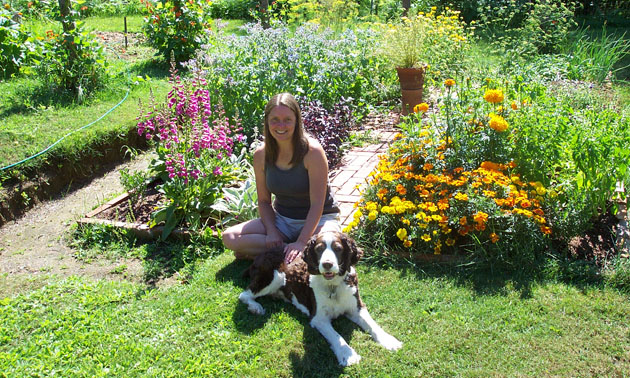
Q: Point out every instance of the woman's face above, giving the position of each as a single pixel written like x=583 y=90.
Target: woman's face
x=281 y=122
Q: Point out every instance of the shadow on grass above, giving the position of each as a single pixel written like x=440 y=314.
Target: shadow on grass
x=318 y=359
x=498 y=278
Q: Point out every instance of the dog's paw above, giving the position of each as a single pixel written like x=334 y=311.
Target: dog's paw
x=389 y=342
x=348 y=357
x=256 y=308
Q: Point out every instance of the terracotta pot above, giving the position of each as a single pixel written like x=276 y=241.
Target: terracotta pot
x=411 y=85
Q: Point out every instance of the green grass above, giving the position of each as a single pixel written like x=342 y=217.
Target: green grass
x=32 y=120
x=114 y=23
x=451 y=325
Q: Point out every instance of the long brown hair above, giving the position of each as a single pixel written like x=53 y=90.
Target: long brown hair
x=299 y=140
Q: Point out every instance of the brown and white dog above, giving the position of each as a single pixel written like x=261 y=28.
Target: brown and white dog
x=322 y=284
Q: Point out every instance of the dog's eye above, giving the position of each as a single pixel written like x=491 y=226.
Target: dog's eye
x=319 y=248
x=337 y=247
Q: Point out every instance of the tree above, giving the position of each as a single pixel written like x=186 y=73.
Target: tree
x=406 y=5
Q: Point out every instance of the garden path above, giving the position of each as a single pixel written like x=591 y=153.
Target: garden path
x=350 y=178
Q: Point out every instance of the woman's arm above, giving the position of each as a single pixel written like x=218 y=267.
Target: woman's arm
x=317 y=166
x=265 y=210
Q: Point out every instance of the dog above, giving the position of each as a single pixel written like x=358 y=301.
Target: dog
x=323 y=284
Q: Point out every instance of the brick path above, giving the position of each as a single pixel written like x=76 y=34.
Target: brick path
x=355 y=168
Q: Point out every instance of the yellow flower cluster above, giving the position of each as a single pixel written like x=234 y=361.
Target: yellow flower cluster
x=432 y=209
x=494 y=96
x=497 y=123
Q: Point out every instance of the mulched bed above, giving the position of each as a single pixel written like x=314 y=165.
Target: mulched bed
x=598 y=243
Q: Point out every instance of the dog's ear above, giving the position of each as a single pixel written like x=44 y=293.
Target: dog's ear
x=310 y=256
x=353 y=252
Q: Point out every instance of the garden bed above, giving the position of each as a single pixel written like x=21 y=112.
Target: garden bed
x=121 y=213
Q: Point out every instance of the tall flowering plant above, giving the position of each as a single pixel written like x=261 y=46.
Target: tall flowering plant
x=194 y=143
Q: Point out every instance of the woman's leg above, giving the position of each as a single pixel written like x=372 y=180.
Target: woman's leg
x=247 y=239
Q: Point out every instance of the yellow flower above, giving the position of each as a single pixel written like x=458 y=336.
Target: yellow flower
x=372 y=215
x=450 y=242
x=514 y=105
x=449 y=82
x=357 y=214
x=497 y=123
x=461 y=196
x=407 y=243
x=493 y=95
x=401 y=233
x=480 y=217
x=422 y=107
x=426 y=237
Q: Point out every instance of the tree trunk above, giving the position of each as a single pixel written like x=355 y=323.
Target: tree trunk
x=406 y=5
x=64 y=9
x=264 y=18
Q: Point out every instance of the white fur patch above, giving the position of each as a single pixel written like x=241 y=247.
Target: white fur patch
x=249 y=298
x=328 y=256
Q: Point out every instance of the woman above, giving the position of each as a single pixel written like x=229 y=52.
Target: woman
x=292 y=166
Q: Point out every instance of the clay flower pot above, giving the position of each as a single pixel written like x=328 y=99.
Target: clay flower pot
x=411 y=86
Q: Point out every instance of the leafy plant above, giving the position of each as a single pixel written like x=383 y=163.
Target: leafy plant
x=240 y=203
x=233 y=9
x=72 y=61
x=439 y=40
x=244 y=72
x=194 y=141
x=135 y=184
x=177 y=27
x=330 y=128
x=14 y=44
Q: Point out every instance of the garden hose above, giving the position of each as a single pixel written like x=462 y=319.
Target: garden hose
x=72 y=132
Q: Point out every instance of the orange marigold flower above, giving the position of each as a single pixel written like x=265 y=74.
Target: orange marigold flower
x=407 y=243
x=427 y=166
x=421 y=107
x=449 y=82
x=463 y=221
x=525 y=203
x=491 y=166
x=514 y=105
x=480 y=217
x=450 y=242
x=545 y=230
x=401 y=189
x=494 y=237
x=493 y=95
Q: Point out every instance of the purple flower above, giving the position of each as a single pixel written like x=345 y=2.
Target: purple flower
x=217 y=171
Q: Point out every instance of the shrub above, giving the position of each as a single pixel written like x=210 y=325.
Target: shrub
x=194 y=141
x=330 y=128
x=233 y=9
x=244 y=72
x=14 y=44
x=440 y=40
x=177 y=28
x=522 y=28
x=72 y=62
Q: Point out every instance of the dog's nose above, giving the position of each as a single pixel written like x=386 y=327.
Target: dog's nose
x=327 y=265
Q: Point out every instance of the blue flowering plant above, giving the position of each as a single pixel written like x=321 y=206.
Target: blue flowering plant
x=194 y=141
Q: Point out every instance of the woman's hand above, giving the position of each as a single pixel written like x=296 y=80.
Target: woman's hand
x=273 y=240
x=293 y=250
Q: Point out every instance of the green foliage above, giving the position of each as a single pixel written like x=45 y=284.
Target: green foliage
x=177 y=28
x=71 y=62
x=595 y=58
x=439 y=40
x=239 y=203
x=134 y=183
x=14 y=44
x=233 y=9
x=243 y=73
x=522 y=28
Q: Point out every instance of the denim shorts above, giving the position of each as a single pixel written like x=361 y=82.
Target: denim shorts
x=291 y=228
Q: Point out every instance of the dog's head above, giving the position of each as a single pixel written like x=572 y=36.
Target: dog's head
x=331 y=253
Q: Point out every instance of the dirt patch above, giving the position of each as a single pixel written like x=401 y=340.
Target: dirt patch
x=597 y=244
x=35 y=245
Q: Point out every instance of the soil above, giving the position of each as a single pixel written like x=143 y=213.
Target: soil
x=598 y=243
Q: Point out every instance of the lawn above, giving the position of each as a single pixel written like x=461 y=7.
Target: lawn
x=452 y=322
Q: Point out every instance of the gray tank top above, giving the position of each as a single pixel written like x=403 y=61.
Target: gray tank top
x=291 y=188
